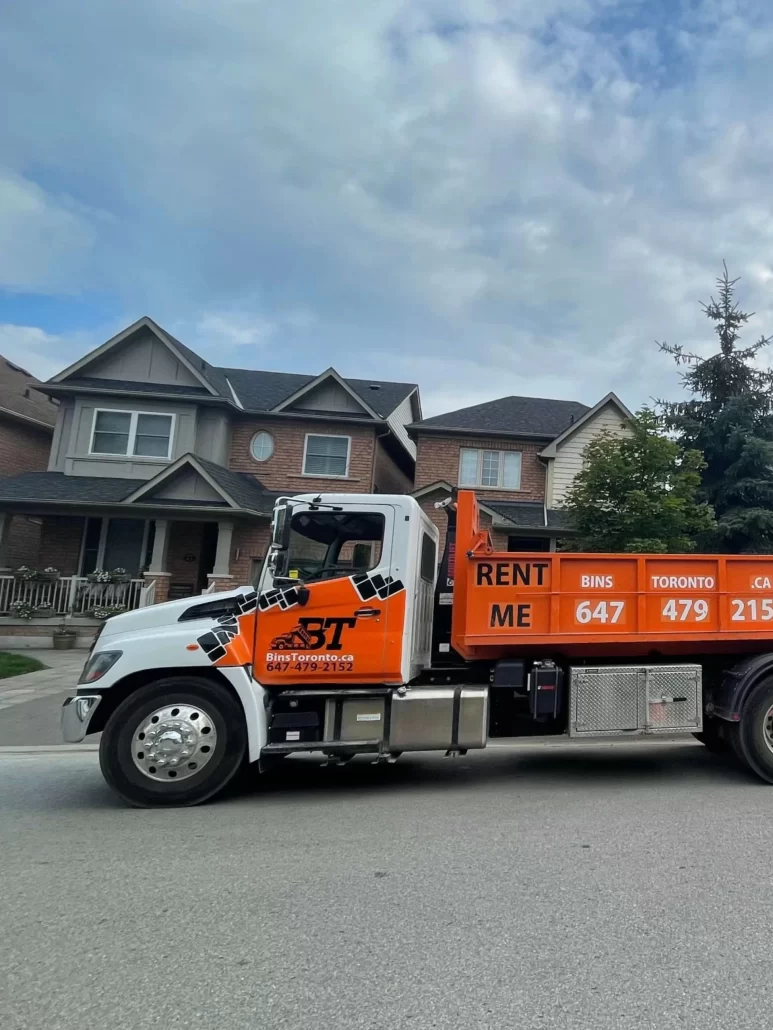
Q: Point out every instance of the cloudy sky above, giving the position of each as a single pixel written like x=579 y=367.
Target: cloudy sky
x=482 y=196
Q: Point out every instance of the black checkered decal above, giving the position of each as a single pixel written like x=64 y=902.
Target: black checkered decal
x=224 y=629
x=247 y=602
x=369 y=586
x=286 y=598
x=213 y=643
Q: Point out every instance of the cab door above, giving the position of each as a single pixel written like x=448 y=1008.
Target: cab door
x=353 y=614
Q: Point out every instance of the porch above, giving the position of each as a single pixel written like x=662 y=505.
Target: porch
x=104 y=545
x=69 y=595
x=91 y=564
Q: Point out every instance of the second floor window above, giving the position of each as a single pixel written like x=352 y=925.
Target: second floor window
x=326 y=456
x=494 y=469
x=136 y=433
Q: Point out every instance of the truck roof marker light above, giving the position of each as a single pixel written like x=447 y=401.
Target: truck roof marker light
x=191 y=647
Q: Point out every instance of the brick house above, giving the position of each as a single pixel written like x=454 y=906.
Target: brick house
x=168 y=467
x=27 y=420
x=519 y=454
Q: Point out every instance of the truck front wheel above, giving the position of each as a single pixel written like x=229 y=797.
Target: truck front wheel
x=754 y=734
x=177 y=741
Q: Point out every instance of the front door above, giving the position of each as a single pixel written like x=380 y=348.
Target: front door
x=350 y=628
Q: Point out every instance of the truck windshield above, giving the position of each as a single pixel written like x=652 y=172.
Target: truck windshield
x=331 y=544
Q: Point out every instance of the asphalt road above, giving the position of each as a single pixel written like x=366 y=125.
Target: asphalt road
x=589 y=888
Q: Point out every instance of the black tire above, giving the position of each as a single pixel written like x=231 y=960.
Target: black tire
x=750 y=743
x=139 y=790
x=714 y=737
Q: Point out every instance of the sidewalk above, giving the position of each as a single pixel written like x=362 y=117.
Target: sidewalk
x=64 y=668
x=30 y=705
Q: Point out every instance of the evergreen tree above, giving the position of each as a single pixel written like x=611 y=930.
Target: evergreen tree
x=730 y=419
x=638 y=493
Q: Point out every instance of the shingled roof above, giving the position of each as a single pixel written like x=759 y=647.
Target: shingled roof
x=56 y=486
x=247 y=492
x=531 y=515
x=252 y=390
x=18 y=396
x=264 y=391
x=537 y=417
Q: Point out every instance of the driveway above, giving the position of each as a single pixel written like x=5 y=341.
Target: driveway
x=30 y=704
x=614 y=887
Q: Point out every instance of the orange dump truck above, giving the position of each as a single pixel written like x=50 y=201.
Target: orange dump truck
x=353 y=641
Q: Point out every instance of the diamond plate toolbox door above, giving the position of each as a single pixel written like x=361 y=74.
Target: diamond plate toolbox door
x=674 y=699
x=606 y=701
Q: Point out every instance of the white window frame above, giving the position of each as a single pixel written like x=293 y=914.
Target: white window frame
x=479 y=472
x=262 y=432
x=335 y=436
x=132 y=434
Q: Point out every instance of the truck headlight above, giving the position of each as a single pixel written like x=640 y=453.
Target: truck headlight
x=98 y=664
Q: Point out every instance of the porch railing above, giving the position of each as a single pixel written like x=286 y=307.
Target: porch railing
x=70 y=594
x=147 y=594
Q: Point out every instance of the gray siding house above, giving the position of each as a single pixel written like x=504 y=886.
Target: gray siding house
x=166 y=466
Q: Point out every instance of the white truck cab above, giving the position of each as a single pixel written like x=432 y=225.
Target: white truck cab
x=184 y=692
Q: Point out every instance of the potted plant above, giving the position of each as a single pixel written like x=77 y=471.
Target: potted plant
x=105 y=576
x=64 y=638
x=43 y=611
x=105 y=611
x=25 y=574
x=22 y=609
x=48 y=575
x=99 y=576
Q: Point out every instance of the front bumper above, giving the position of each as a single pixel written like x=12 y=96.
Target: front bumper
x=77 y=713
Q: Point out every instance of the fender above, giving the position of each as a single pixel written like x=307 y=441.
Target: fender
x=252 y=696
x=738 y=683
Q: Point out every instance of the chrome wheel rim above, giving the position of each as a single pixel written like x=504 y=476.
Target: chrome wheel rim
x=768 y=728
x=174 y=743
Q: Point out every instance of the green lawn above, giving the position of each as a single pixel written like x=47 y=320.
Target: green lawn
x=16 y=664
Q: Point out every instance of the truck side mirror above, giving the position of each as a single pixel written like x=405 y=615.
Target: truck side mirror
x=303 y=594
x=277 y=562
x=282 y=525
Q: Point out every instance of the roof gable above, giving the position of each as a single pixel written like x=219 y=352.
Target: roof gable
x=191 y=478
x=160 y=356
x=508 y=416
x=611 y=399
x=273 y=391
x=327 y=389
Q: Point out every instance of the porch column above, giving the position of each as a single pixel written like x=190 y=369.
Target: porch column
x=160 y=548
x=222 y=567
x=5 y=529
x=157 y=573
x=221 y=572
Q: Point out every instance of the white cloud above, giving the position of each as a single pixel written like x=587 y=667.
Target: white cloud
x=490 y=196
x=234 y=330
x=31 y=349
x=44 y=237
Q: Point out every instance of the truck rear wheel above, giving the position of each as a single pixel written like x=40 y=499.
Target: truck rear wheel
x=177 y=741
x=754 y=734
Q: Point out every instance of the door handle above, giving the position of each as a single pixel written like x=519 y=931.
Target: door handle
x=367 y=613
